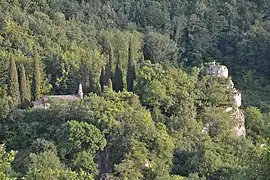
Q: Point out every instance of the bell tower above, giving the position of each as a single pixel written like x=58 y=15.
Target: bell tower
x=80 y=91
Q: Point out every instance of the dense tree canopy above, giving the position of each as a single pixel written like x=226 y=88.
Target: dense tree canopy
x=146 y=106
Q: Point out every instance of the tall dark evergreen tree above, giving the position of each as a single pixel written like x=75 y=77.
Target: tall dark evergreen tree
x=118 y=77
x=25 y=99
x=107 y=73
x=36 y=79
x=102 y=79
x=111 y=54
x=84 y=75
x=28 y=88
x=131 y=74
x=13 y=84
x=91 y=80
x=108 y=67
x=177 y=32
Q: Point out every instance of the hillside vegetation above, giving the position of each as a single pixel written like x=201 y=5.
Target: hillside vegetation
x=145 y=104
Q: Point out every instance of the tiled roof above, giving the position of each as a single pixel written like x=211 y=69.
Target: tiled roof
x=62 y=97
x=41 y=102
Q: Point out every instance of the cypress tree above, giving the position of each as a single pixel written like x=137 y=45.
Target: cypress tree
x=102 y=79
x=28 y=89
x=23 y=87
x=118 y=78
x=108 y=67
x=111 y=61
x=13 y=84
x=131 y=74
x=177 y=31
x=91 y=80
x=36 y=81
x=84 y=75
x=107 y=74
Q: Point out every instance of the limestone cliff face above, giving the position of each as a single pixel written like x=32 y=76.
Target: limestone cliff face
x=220 y=71
x=237 y=98
x=215 y=70
x=239 y=119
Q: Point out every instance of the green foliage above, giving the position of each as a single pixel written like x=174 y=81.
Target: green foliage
x=258 y=166
x=107 y=73
x=160 y=49
x=13 y=84
x=174 y=127
x=261 y=165
x=163 y=89
x=102 y=79
x=219 y=122
x=118 y=77
x=6 y=158
x=47 y=165
x=255 y=124
x=6 y=106
x=44 y=160
x=24 y=91
x=175 y=32
x=42 y=145
x=84 y=160
x=109 y=68
x=131 y=73
x=214 y=92
x=81 y=141
x=80 y=136
x=36 y=79
x=85 y=75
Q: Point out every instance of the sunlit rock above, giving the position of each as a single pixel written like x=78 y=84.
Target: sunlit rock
x=237 y=98
x=239 y=120
x=215 y=70
x=231 y=84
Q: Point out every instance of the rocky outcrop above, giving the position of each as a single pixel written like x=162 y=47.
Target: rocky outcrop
x=239 y=120
x=219 y=71
x=215 y=70
x=237 y=98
